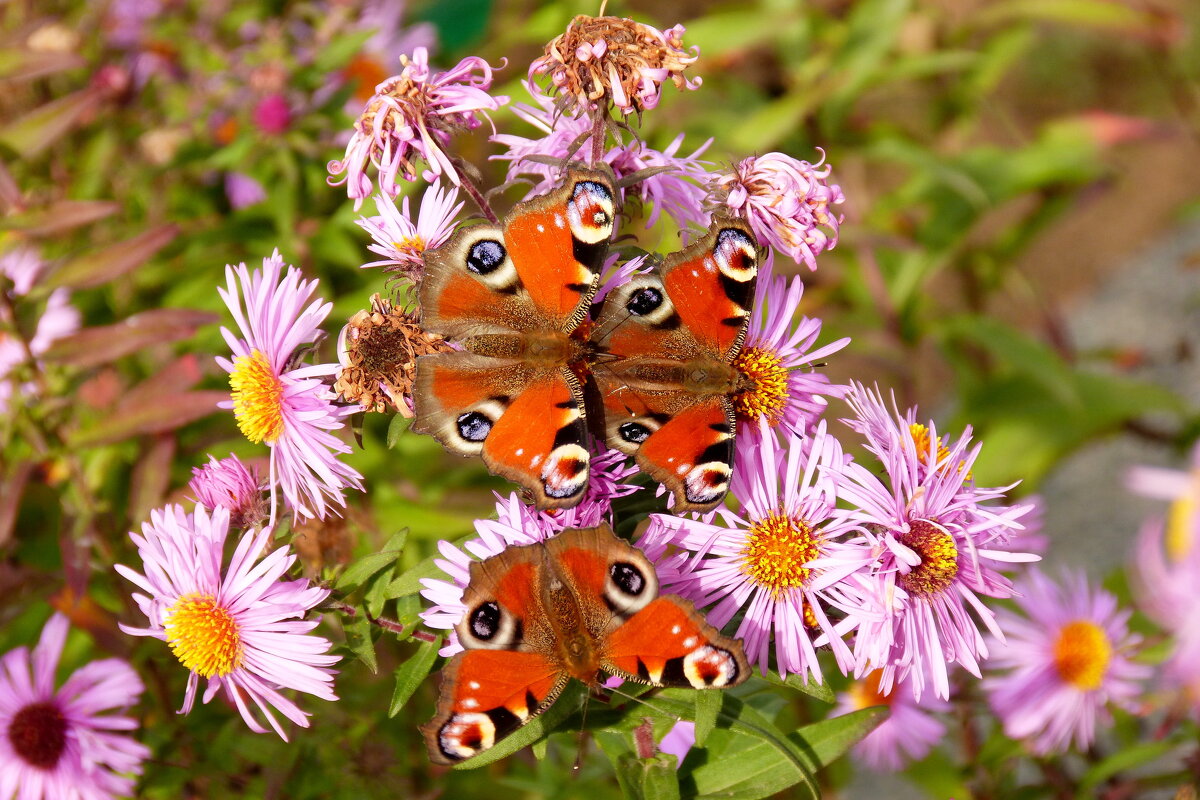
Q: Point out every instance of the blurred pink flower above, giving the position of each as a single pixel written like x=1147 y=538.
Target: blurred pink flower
x=787 y=203
x=1165 y=582
x=909 y=733
x=241 y=190
x=1068 y=656
x=24 y=267
x=414 y=114
x=271 y=114
x=57 y=744
x=1182 y=489
x=239 y=625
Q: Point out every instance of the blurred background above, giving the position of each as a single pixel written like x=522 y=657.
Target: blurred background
x=1021 y=253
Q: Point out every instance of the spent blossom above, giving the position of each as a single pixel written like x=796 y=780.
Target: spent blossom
x=414 y=114
x=239 y=625
x=599 y=61
x=70 y=742
x=787 y=203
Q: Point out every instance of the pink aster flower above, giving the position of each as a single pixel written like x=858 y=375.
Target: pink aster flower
x=939 y=550
x=242 y=191
x=231 y=485
x=402 y=241
x=1068 y=657
x=1182 y=489
x=678 y=190
x=608 y=471
x=414 y=114
x=61 y=744
x=287 y=405
x=1164 y=579
x=786 y=201
x=518 y=525
x=778 y=356
x=58 y=318
x=602 y=60
x=239 y=625
x=909 y=733
x=787 y=557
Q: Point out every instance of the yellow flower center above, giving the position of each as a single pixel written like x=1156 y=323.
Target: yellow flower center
x=257 y=398
x=414 y=244
x=203 y=635
x=766 y=373
x=776 y=551
x=1180 y=520
x=865 y=693
x=1081 y=654
x=920 y=437
x=939 y=558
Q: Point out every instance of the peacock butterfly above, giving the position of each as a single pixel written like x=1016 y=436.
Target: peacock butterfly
x=670 y=338
x=514 y=297
x=575 y=606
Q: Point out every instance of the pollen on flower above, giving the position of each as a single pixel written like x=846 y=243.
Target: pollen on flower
x=764 y=370
x=203 y=635
x=257 y=398
x=411 y=245
x=777 y=548
x=939 y=558
x=920 y=437
x=1181 y=526
x=38 y=733
x=1081 y=654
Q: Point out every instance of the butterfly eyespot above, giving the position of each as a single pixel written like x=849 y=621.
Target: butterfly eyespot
x=473 y=426
x=485 y=257
x=628 y=577
x=736 y=255
x=710 y=667
x=630 y=587
x=485 y=621
x=591 y=212
x=644 y=301
x=634 y=432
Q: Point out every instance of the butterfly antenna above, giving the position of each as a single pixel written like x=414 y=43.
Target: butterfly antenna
x=577 y=767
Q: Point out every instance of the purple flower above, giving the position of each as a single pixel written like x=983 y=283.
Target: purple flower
x=414 y=114
x=272 y=115
x=1182 y=489
x=231 y=485
x=603 y=60
x=277 y=401
x=787 y=558
x=786 y=201
x=1068 y=657
x=909 y=732
x=62 y=743
x=241 y=190
x=1165 y=580
x=239 y=625
x=939 y=551
x=402 y=241
x=678 y=190
x=788 y=394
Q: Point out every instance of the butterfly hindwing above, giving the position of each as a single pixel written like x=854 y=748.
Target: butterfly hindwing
x=669 y=643
x=486 y=695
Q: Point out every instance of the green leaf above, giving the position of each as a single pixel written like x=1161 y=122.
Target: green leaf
x=396 y=429
x=829 y=739
x=540 y=748
x=820 y=691
x=358 y=572
x=1127 y=757
x=648 y=778
x=412 y=673
x=337 y=52
x=708 y=706
x=42 y=127
x=358 y=638
x=459 y=23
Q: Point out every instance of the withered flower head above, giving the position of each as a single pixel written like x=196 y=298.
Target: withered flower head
x=378 y=350
x=602 y=60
